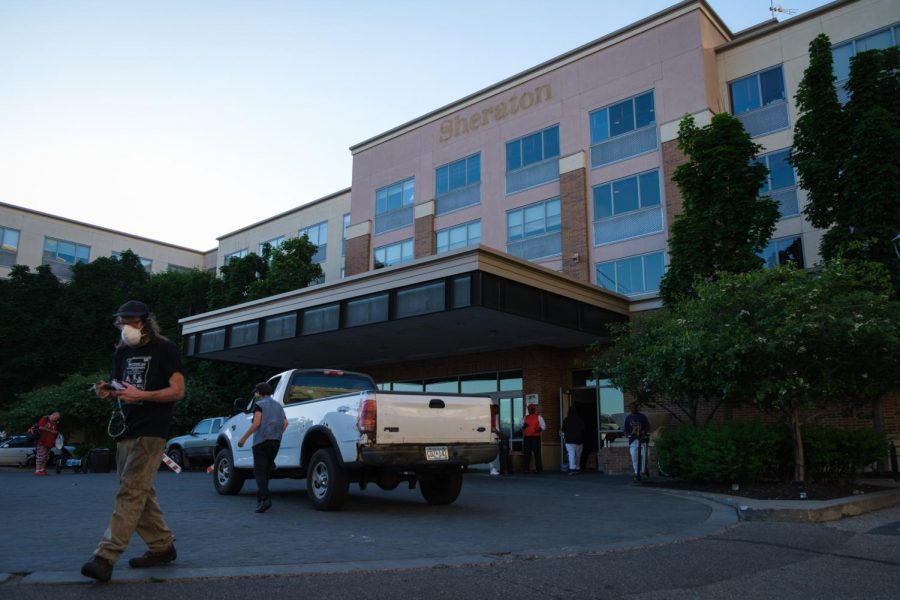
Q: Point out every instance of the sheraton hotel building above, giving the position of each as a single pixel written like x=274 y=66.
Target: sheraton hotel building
x=482 y=247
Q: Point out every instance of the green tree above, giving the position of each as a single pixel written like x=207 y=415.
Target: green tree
x=848 y=157
x=725 y=223
x=34 y=331
x=799 y=340
x=96 y=290
x=784 y=340
x=290 y=268
x=236 y=280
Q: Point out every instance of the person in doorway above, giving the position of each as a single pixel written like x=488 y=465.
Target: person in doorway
x=637 y=428
x=532 y=426
x=147 y=379
x=47 y=430
x=573 y=435
x=269 y=423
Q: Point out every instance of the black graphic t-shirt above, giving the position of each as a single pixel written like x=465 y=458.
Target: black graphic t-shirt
x=149 y=368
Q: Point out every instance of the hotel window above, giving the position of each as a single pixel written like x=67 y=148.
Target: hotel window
x=345 y=226
x=783 y=251
x=458 y=174
x=758 y=101
x=273 y=243
x=318 y=235
x=393 y=254
x=632 y=276
x=145 y=262
x=178 y=268
x=394 y=206
x=9 y=246
x=533 y=148
x=533 y=231
x=623 y=117
x=457 y=184
x=780 y=183
x=757 y=90
x=623 y=129
x=239 y=254
x=61 y=255
x=842 y=53
x=460 y=236
x=627 y=208
x=395 y=196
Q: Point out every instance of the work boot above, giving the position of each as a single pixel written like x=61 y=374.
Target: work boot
x=97 y=568
x=154 y=559
x=264 y=505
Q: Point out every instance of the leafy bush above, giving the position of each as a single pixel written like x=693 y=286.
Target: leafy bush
x=733 y=452
x=834 y=454
x=744 y=452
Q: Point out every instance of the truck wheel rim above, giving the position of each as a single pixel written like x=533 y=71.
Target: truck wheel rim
x=320 y=480
x=223 y=472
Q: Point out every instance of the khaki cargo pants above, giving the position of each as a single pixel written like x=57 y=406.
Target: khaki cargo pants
x=137 y=462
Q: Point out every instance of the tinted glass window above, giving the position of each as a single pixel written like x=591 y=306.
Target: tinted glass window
x=771 y=86
x=644 y=113
x=621 y=118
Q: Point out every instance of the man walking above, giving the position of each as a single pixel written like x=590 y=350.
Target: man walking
x=637 y=428
x=147 y=378
x=269 y=423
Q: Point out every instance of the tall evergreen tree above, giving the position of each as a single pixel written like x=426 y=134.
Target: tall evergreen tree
x=848 y=157
x=725 y=223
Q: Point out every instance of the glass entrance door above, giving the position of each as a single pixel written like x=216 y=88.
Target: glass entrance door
x=512 y=411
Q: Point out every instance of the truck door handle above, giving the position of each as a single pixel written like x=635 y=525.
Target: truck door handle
x=343 y=409
x=436 y=403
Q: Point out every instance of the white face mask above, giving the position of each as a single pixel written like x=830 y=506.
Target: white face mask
x=131 y=335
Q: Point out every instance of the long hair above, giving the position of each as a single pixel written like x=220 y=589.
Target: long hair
x=150 y=331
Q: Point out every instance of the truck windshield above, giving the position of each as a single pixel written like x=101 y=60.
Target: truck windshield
x=322 y=384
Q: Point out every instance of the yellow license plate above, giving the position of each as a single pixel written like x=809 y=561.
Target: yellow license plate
x=436 y=453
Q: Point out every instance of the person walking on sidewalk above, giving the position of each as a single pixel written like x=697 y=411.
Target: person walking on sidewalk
x=47 y=432
x=147 y=379
x=637 y=428
x=269 y=423
x=532 y=426
x=573 y=434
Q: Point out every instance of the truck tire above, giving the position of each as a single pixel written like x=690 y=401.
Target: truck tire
x=327 y=484
x=227 y=480
x=441 y=489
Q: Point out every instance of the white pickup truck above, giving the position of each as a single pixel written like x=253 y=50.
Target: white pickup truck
x=341 y=429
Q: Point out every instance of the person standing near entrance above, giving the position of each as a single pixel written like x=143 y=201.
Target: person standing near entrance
x=637 y=428
x=147 y=379
x=532 y=426
x=269 y=423
x=573 y=434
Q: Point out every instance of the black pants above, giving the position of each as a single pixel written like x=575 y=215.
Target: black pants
x=263 y=461
x=533 y=446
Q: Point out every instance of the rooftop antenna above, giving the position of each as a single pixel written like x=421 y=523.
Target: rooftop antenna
x=775 y=8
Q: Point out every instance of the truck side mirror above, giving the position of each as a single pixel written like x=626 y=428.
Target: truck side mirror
x=240 y=405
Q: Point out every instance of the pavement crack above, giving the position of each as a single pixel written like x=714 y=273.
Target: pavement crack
x=808 y=551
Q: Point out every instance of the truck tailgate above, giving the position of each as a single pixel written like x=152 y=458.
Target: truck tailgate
x=427 y=419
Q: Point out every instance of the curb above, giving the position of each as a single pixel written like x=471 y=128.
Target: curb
x=799 y=511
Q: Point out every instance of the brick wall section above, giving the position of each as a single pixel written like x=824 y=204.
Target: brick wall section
x=672 y=158
x=357 y=255
x=617 y=460
x=574 y=216
x=424 y=244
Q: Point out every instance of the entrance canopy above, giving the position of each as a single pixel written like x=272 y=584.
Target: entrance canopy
x=473 y=300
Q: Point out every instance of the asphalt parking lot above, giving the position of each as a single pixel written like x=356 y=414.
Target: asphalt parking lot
x=51 y=525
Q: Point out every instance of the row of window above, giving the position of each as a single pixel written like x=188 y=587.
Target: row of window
x=317 y=234
x=59 y=254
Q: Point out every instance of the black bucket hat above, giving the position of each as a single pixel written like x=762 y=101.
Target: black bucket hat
x=132 y=308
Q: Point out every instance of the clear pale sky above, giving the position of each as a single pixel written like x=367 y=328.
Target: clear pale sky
x=185 y=120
